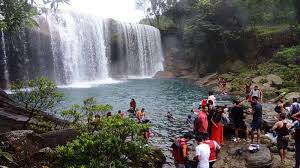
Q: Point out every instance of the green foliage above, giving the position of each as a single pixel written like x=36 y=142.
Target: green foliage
x=36 y=95
x=15 y=14
x=81 y=115
x=117 y=143
x=288 y=56
x=6 y=156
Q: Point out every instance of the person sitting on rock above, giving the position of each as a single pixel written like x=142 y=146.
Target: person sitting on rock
x=280 y=107
x=281 y=127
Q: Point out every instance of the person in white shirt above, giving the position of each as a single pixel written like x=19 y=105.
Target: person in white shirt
x=202 y=153
x=212 y=98
x=256 y=92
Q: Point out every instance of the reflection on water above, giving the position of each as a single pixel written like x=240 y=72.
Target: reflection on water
x=156 y=96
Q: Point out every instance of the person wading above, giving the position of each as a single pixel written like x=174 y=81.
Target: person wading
x=180 y=151
x=282 y=136
x=214 y=150
x=257 y=119
x=133 y=104
x=140 y=115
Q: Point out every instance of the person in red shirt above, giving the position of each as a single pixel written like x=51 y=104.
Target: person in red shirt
x=214 y=150
x=201 y=122
x=133 y=104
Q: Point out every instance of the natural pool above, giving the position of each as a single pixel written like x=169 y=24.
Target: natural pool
x=157 y=96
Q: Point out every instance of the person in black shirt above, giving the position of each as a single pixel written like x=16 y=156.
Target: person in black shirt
x=237 y=115
x=257 y=118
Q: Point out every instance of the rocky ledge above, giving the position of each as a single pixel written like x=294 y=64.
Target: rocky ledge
x=13 y=116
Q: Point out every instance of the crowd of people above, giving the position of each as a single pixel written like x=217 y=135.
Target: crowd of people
x=210 y=118
x=208 y=122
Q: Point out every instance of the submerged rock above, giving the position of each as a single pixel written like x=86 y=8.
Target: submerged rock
x=164 y=75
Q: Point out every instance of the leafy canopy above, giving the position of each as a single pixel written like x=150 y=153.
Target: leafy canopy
x=117 y=142
x=36 y=95
x=14 y=14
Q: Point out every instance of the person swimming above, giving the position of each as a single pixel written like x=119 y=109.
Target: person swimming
x=169 y=115
x=189 y=120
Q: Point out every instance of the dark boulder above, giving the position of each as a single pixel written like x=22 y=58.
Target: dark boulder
x=13 y=116
x=60 y=137
x=261 y=159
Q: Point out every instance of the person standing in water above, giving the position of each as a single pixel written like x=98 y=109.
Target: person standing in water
x=140 y=115
x=133 y=104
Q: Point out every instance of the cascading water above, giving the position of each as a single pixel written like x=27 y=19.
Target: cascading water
x=79 y=48
x=143 y=50
x=5 y=66
x=73 y=48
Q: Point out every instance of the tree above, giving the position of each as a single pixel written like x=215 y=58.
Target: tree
x=118 y=142
x=153 y=9
x=36 y=95
x=80 y=115
x=15 y=14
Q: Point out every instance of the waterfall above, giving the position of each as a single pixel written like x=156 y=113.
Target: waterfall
x=143 y=50
x=78 y=47
x=73 y=48
x=6 y=74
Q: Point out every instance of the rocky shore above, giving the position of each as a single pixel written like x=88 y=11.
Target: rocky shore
x=268 y=155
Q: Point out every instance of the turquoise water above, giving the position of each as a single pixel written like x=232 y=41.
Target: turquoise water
x=157 y=96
